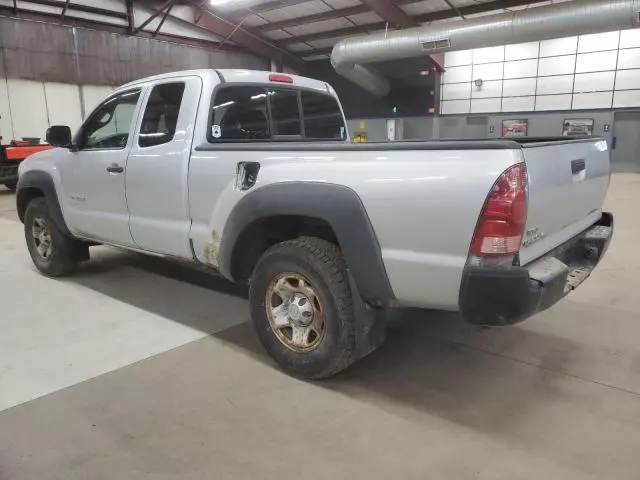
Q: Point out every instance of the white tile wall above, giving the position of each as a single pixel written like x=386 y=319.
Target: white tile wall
x=521 y=51
x=598 y=42
x=488 y=89
x=630 y=38
x=594 y=82
x=6 y=129
x=462 y=57
x=482 y=105
x=63 y=104
x=457 y=74
x=560 y=74
x=556 y=84
x=628 y=80
x=488 y=71
x=553 y=102
x=556 y=65
x=519 y=87
x=518 y=104
x=28 y=108
x=626 y=98
x=592 y=100
x=488 y=55
x=454 y=106
x=455 y=91
x=596 y=62
x=521 y=68
x=629 y=59
x=93 y=95
x=558 y=46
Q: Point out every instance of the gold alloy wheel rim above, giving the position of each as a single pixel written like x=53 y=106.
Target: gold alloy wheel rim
x=295 y=313
x=42 y=237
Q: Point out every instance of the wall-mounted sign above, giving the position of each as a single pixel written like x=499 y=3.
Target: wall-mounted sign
x=515 y=128
x=606 y=127
x=577 y=127
x=362 y=125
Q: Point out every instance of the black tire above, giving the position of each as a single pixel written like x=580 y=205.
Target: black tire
x=11 y=186
x=60 y=260
x=323 y=265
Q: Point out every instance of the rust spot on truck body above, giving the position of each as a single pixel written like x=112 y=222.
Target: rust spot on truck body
x=212 y=249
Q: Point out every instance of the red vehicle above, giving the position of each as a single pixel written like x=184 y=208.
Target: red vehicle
x=10 y=157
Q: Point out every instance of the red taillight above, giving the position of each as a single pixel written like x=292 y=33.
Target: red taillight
x=504 y=214
x=278 y=77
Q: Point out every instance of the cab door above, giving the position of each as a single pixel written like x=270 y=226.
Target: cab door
x=158 y=167
x=94 y=171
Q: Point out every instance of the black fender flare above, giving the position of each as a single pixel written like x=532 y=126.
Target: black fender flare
x=337 y=205
x=42 y=181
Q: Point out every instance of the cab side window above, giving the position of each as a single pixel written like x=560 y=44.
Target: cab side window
x=110 y=124
x=161 y=114
x=239 y=113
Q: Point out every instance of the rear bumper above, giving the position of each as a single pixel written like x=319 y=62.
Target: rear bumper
x=507 y=295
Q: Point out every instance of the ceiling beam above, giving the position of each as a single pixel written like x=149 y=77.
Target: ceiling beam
x=164 y=18
x=64 y=10
x=390 y=12
x=316 y=17
x=78 y=8
x=131 y=21
x=423 y=18
x=151 y=17
x=230 y=31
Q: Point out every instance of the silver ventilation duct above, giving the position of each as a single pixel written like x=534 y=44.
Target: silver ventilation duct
x=577 y=17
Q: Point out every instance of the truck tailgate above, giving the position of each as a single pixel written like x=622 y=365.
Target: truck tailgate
x=568 y=183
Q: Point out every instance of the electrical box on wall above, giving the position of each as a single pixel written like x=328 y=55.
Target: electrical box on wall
x=395 y=129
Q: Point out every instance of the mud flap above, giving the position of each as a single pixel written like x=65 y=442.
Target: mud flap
x=371 y=327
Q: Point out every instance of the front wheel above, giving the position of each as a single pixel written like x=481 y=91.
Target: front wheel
x=302 y=309
x=50 y=249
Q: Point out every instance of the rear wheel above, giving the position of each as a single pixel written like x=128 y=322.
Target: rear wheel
x=50 y=249
x=301 y=307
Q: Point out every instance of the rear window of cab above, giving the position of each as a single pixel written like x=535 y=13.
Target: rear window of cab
x=265 y=113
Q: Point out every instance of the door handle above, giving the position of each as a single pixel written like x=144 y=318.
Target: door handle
x=115 y=168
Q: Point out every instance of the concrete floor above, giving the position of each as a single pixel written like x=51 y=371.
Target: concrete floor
x=138 y=368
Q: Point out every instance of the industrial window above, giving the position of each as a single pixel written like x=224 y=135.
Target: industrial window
x=322 y=117
x=161 y=114
x=239 y=113
x=109 y=125
x=285 y=113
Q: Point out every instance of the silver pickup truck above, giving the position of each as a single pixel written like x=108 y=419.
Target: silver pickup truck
x=252 y=175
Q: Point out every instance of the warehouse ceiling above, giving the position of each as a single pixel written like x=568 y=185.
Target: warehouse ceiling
x=289 y=32
x=310 y=29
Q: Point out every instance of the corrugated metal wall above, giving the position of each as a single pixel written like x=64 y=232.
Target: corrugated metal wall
x=49 y=52
x=49 y=72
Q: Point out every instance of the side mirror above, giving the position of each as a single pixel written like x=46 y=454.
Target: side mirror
x=59 y=136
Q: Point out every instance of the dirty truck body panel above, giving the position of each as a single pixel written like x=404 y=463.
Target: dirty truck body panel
x=404 y=213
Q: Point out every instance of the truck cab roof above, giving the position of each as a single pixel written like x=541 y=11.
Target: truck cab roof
x=226 y=75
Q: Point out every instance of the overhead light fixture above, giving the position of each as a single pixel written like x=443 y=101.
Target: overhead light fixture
x=218 y=3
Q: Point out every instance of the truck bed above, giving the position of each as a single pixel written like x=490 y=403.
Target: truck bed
x=441 y=144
